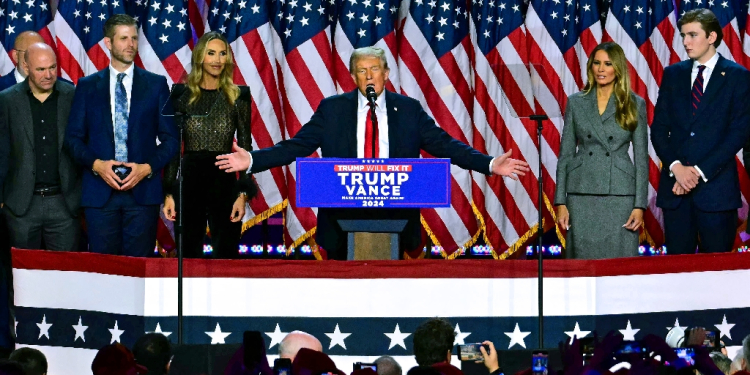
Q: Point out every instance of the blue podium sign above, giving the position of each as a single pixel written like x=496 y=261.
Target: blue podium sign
x=354 y=183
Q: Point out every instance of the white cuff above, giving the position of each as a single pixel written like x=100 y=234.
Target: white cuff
x=670 y=167
x=701 y=172
x=251 y=163
x=491 y=161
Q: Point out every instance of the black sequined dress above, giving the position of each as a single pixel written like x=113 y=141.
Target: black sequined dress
x=209 y=192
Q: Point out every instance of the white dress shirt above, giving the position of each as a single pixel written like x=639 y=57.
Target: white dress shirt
x=127 y=81
x=363 y=108
x=710 y=66
x=381 y=112
x=19 y=77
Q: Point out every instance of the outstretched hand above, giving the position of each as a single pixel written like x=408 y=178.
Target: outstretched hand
x=238 y=161
x=505 y=166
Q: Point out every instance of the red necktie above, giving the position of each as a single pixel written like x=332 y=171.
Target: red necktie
x=369 y=130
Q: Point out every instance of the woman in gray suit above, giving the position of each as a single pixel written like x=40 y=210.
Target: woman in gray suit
x=601 y=194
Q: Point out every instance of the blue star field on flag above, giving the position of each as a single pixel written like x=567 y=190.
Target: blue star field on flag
x=366 y=21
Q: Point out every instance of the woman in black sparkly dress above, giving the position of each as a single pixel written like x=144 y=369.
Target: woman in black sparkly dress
x=216 y=110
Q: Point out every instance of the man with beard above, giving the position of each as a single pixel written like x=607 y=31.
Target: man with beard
x=112 y=132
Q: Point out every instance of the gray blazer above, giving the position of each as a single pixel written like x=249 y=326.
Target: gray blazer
x=594 y=152
x=18 y=160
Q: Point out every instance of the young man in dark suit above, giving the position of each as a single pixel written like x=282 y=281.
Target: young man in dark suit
x=339 y=128
x=701 y=121
x=112 y=133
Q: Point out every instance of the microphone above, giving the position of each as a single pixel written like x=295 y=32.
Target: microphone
x=371 y=95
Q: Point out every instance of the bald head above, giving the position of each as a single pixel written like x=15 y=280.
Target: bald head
x=41 y=67
x=22 y=43
x=294 y=341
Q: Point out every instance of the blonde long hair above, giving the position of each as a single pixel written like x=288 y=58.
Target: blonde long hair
x=626 y=111
x=226 y=82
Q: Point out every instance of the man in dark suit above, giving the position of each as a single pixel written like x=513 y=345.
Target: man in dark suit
x=701 y=121
x=40 y=184
x=112 y=132
x=20 y=45
x=340 y=128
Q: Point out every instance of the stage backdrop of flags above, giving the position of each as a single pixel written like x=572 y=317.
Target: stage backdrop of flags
x=471 y=63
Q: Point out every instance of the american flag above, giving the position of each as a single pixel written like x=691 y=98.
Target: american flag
x=435 y=68
x=502 y=95
x=364 y=23
x=247 y=27
x=562 y=33
x=17 y=16
x=305 y=72
x=80 y=45
x=647 y=32
x=68 y=305
x=164 y=34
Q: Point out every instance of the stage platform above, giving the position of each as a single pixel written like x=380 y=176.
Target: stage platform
x=71 y=304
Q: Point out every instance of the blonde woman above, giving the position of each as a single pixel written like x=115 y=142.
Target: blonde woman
x=218 y=109
x=601 y=192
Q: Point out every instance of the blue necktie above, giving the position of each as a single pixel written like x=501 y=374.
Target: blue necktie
x=697 y=91
x=121 y=120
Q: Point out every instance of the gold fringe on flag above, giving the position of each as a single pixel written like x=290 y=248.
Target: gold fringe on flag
x=461 y=250
x=518 y=244
x=264 y=215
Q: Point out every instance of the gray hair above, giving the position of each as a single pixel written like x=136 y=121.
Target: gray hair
x=388 y=366
x=721 y=361
x=364 y=52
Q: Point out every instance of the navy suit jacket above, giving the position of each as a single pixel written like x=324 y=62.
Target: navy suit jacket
x=90 y=133
x=8 y=80
x=333 y=129
x=709 y=139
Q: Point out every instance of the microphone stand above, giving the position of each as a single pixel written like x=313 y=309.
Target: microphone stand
x=374 y=120
x=540 y=231
x=178 y=228
x=181 y=118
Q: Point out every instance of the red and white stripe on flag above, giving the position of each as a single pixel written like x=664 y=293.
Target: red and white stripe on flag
x=439 y=76
x=503 y=96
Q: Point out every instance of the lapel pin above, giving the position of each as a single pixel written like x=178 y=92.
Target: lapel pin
x=722 y=73
x=395 y=108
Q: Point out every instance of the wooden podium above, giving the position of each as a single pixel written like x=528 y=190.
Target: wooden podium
x=372 y=239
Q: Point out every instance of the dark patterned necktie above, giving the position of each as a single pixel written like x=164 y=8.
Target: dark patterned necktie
x=697 y=92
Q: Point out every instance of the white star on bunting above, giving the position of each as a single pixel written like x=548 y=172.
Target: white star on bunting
x=43 y=327
x=276 y=336
x=577 y=333
x=116 y=333
x=516 y=337
x=397 y=338
x=80 y=329
x=217 y=337
x=460 y=336
x=158 y=330
x=724 y=328
x=677 y=325
x=337 y=338
x=629 y=332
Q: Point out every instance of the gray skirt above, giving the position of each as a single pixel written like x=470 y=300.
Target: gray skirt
x=596 y=230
